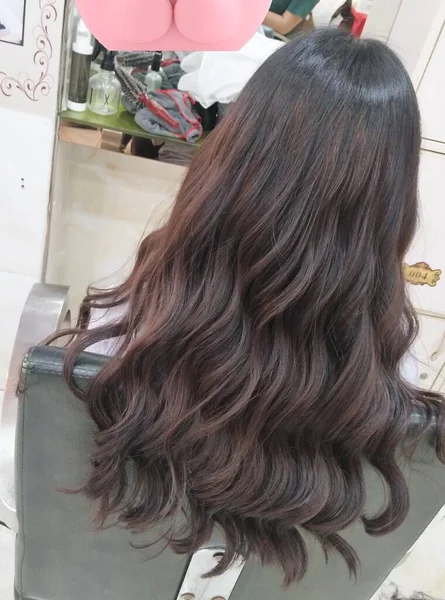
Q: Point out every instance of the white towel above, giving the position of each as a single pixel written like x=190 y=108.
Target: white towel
x=220 y=76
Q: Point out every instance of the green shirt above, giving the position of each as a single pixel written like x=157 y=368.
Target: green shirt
x=300 y=8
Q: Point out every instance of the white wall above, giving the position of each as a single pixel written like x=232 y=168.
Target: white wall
x=413 y=30
x=381 y=18
x=28 y=110
x=409 y=27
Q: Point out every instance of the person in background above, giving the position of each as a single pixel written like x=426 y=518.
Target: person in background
x=257 y=347
x=285 y=15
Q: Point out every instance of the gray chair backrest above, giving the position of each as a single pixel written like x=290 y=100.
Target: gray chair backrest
x=45 y=311
x=59 y=557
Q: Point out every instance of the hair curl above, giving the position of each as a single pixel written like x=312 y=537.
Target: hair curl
x=263 y=326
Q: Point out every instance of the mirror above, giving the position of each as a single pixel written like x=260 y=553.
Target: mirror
x=12 y=21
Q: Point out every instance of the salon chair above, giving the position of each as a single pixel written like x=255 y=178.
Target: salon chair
x=60 y=557
x=45 y=311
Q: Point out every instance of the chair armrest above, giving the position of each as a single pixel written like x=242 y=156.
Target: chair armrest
x=45 y=311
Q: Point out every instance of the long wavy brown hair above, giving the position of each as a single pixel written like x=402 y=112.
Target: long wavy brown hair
x=262 y=329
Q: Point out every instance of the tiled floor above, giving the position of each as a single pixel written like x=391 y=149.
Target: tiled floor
x=424 y=568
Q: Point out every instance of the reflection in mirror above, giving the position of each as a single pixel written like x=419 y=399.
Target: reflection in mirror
x=161 y=105
x=12 y=21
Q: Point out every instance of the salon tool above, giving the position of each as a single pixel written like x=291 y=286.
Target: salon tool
x=164 y=112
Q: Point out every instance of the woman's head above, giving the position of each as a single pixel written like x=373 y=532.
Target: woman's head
x=327 y=127
x=264 y=324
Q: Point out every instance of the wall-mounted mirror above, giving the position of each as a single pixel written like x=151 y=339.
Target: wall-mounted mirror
x=12 y=21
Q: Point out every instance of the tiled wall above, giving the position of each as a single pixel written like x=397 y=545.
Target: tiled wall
x=29 y=78
x=25 y=171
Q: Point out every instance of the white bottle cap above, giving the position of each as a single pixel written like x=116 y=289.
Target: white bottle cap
x=83 y=43
x=76 y=106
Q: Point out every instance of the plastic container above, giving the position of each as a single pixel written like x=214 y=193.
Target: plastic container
x=153 y=79
x=82 y=52
x=105 y=90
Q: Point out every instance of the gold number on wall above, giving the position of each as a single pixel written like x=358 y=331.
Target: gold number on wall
x=421 y=274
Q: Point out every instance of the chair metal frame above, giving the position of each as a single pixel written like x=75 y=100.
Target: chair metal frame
x=46 y=310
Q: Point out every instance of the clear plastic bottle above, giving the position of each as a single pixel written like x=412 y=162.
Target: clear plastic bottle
x=104 y=91
x=153 y=79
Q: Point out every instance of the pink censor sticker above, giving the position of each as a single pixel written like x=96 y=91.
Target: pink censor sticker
x=173 y=24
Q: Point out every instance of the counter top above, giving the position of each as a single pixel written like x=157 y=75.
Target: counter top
x=122 y=122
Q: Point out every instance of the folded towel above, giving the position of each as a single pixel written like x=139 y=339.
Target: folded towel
x=169 y=112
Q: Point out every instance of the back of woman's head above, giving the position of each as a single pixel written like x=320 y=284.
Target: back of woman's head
x=264 y=324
